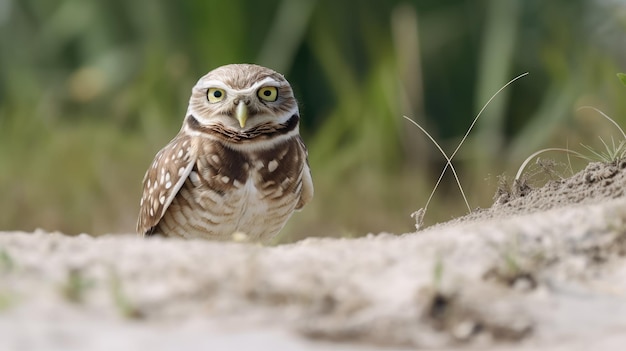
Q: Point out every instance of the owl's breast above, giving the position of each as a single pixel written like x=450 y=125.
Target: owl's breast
x=229 y=191
x=273 y=181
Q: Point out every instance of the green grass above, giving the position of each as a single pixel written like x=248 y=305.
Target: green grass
x=76 y=286
x=120 y=300
x=612 y=152
x=6 y=301
x=6 y=261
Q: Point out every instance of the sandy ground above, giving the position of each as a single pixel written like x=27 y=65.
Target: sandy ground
x=542 y=269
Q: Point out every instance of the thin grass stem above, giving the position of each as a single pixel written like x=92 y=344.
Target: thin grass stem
x=448 y=160
x=529 y=158
x=607 y=117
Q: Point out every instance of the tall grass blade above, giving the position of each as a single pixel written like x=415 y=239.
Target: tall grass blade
x=622 y=78
x=605 y=116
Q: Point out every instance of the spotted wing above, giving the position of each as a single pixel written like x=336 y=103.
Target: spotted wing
x=306 y=194
x=163 y=180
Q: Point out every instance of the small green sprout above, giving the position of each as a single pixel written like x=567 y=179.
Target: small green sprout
x=75 y=286
x=123 y=304
x=6 y=262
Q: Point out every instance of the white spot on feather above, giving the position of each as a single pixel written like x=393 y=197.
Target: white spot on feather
x=181 y=170
x=225 y=179
x=195 y=178
x=215 y=158
x=272 y=165
x=168 y=185
x=162 y=199
x=180 y=153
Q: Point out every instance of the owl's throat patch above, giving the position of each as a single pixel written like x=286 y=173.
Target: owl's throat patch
x=260 y=132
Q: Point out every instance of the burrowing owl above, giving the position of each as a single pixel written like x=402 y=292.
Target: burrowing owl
x=238 y=163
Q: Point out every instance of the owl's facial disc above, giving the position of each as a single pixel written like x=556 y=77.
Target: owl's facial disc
x=242 y=97
x=248 y=106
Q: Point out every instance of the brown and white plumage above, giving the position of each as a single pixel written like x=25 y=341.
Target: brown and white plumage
x=238 y=163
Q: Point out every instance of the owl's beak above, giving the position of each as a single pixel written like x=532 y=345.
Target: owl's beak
x=242 y=113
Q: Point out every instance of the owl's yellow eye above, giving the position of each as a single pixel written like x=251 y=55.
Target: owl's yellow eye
x=268 y=94
x=215 y=95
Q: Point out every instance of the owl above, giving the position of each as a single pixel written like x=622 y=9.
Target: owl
x=238 y=164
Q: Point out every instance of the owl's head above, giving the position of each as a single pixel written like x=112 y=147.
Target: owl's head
x=242 y=96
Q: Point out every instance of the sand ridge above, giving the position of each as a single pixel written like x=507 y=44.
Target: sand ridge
x=541 y=270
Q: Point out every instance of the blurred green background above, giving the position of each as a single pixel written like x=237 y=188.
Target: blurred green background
x=91 y=90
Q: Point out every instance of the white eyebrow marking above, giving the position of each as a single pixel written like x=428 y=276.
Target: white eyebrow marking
x=212 y=84
x=268 y=81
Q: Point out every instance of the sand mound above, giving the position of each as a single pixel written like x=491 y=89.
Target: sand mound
x=541 y=269
x=598 y=182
